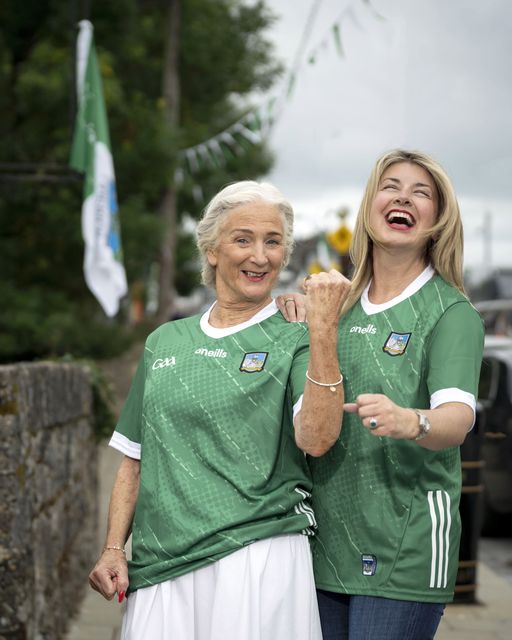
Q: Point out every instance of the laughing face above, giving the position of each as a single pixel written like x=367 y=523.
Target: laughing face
x=404 y=207
x=249 y=253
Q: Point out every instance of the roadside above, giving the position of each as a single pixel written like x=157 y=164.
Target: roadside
x=490 y=619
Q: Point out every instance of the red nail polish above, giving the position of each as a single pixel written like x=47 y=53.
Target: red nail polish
x=121 y=596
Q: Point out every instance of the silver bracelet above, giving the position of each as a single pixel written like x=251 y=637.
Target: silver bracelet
x=332 y=385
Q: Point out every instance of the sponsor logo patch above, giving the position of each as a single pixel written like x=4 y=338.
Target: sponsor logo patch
x=396 y=343
x=253 y=362
x=369 y=564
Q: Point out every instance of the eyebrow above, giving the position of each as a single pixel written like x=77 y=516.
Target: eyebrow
x=251 y=231
x=416 y=184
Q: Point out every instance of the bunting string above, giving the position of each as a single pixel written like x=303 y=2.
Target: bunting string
x=255 y=126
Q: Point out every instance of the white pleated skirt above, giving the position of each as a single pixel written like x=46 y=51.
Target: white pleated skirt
x=264 y=591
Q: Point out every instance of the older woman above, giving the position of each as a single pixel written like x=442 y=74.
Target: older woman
x=386 y=495
x=214 y=477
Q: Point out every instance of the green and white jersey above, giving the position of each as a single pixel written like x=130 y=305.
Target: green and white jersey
x=210 y=415
x=387 y=510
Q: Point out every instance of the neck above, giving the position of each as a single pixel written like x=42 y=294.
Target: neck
x=228 y=314
x=392 y=274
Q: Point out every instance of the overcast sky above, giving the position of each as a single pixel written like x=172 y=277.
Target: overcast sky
x=431 y=75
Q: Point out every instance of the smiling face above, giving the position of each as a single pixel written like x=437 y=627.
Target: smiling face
x=249 y=253
x=404 y=207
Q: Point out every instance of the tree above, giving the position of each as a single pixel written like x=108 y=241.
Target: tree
x=223 y=57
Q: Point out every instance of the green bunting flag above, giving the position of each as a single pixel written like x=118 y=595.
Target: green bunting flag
x=337 y=38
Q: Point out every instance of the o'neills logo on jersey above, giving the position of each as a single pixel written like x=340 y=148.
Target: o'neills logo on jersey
x=160 y=363
x=371 y=329
x=216 y=353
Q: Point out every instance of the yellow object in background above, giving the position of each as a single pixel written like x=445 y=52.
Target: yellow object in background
x=340 y=239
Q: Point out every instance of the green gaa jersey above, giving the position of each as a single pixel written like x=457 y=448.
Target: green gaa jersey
x=210 y=415
x=387 y=510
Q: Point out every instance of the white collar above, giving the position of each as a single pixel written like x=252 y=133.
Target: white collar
x=221 y=332
x=369 y=308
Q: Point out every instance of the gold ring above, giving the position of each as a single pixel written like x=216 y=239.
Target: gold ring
x=288 y=300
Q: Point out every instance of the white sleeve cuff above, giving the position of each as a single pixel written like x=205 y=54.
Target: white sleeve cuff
x=454 y=395
x=124 y=445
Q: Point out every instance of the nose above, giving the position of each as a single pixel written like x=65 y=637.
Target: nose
x=402 y=198
x=259 y=254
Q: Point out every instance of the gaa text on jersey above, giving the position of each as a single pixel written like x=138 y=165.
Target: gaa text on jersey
x=372 y=329
x=160 y=363
x=216 y=353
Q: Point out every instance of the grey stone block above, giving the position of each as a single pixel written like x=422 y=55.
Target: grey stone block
x=48 y=493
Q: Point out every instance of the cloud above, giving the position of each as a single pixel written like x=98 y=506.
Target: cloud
x=432 y=76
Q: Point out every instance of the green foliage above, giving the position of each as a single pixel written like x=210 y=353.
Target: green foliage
x=46 y=306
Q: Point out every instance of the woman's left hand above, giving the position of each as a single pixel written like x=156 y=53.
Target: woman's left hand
x=382 y=417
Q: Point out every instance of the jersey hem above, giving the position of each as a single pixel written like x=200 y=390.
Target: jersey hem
x=173 y=573
x=392 y=595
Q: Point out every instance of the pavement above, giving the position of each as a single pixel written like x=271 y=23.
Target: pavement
x=490 y=619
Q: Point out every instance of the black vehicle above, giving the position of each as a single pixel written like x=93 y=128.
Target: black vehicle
x=495 y=398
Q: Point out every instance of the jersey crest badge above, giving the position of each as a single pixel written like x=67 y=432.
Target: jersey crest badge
x=369 y=563
x=253 y=362
x=396 y=343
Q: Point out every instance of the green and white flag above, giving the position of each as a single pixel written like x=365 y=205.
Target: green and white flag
x=91 y=154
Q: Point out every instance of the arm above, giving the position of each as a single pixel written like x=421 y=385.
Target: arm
x=318 y=423
x=449 y=422
x=110 y=575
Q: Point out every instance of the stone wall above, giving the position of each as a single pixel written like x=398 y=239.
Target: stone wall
x=48 y=497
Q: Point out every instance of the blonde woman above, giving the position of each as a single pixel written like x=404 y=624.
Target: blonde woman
x=386 y=494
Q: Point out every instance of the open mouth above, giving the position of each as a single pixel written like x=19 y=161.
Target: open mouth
x=400 y=219
x=255 y=276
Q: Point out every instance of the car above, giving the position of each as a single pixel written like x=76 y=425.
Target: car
x=495 y=405
x=497 y=315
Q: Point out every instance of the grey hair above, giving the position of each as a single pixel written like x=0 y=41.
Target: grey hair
x=230 y=197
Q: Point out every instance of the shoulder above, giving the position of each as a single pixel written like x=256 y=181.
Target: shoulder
x=449 y=296
x=281 y=327
x=172 y=328
x=455 y=313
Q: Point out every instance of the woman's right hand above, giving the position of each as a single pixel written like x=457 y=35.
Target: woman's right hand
x=110 y=574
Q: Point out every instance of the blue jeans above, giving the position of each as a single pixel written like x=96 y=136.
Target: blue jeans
x=369 y=618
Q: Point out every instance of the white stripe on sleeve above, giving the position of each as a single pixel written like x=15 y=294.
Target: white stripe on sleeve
x=124 y=445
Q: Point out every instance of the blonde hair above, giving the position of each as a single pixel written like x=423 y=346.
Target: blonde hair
x=445 y=247
x=230 y=197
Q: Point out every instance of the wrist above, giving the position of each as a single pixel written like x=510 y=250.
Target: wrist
x=323 y=330
x=422 y=426
x=114 y=547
